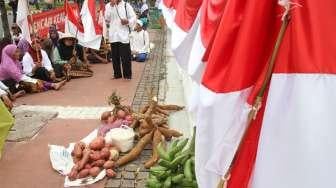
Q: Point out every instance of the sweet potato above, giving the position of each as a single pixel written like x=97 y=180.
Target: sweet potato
x=121 y=114
x=135 y=152
x=75 y=159
x=87 y=166
x=98 y=143
x=108 y=164
x=73 y=175
x=94 y=171
x=98 y=163
x=78 y=149
x=114 y=154
x=110 y=173
x=85 y=159
x=105 y=153
x=95 y=155
x=83 y=173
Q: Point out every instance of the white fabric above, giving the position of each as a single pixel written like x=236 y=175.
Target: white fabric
x=218 y=132
x=144 y=7
x=72 y=30
x=117 y=31
x=3 y=86
x=28 y=79
x=28 y=63
x=22 y=20
x=90 y=36
x=140 y=41
x=297 y=141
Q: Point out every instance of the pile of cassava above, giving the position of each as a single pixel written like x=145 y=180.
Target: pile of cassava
x=152 y=126
x=92 y=159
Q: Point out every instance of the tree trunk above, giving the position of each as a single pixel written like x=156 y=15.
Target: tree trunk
x=4 y=19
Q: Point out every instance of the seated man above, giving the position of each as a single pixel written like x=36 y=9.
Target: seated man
x=139 y=43
x=4 y=96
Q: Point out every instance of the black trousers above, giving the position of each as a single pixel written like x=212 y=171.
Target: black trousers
x=42 y=73
x=121 y=52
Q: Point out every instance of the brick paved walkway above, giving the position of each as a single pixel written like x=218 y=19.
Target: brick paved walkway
x=134 y=175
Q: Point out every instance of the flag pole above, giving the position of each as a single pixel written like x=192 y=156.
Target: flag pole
x=223 y=183
x=33 y=30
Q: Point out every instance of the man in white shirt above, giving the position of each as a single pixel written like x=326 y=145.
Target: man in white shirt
x=120 y=17
x=139 y=43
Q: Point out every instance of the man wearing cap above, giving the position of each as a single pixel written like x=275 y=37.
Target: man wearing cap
x=139 y=43
x=121 y=17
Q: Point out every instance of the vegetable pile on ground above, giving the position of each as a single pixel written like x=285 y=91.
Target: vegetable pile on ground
x=176 y=168
x=152 y=127
x=92 y=159
x=120 y=115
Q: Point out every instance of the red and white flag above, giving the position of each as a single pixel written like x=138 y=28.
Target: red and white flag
x=101 y=19
x=294 y=145
x=84 y=26
x=22 y=18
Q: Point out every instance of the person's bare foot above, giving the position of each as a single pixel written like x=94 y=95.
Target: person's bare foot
x=18 y=94
x=58 y=85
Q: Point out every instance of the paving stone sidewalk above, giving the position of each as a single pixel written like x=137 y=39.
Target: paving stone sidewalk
x=134 y=175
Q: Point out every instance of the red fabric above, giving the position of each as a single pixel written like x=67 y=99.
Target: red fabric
x=73 y=15
x=93 y=13
x=35 y=54
x=172 y=4
x=306 y=48
x=212 y=11
x=186 y=13
x=242 y=46
x=244 y=163
x=309 y=45
x=102 y=5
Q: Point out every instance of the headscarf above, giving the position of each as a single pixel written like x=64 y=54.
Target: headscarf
x=3 y=43
x=35 y=54
x=9 y=67
x=23 y=45
x=53 y=30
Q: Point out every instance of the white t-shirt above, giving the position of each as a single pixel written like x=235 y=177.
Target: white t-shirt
x=28 y=63
x=113 y=16
x=140 y=41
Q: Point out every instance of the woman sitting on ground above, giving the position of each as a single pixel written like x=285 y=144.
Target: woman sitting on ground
x=69 y=59
x=36 y=63
x=12 y=76
x=139 y=43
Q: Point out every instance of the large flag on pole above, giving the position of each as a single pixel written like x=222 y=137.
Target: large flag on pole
x=294 y=148
x=83 y=26
x=22 y=18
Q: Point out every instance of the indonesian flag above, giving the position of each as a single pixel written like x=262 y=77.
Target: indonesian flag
x=294 y=146
x=22 y=18
x=101 y=19
x=85 y=26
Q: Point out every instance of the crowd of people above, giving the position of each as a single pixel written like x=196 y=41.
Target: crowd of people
x=46 y=64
